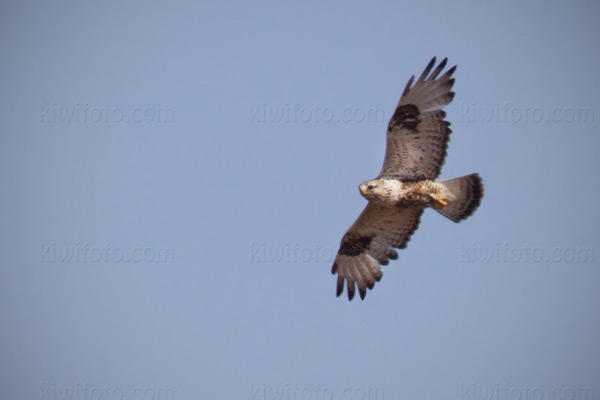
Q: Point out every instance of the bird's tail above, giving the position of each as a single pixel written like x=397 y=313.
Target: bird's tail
x=468 y=191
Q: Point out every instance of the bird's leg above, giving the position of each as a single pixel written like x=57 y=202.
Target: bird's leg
x=439 y=202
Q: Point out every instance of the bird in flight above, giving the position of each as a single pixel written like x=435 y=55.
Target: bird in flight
x=417 y=140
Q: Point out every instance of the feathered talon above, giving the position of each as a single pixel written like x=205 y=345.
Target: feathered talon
x=440 y=203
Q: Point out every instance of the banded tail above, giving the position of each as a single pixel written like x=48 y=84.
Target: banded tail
x=468 y=191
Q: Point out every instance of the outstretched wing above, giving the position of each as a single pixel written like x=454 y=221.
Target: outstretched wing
x=418 y=135
x=370 y=241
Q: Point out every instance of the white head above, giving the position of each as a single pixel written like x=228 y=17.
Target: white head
x=378 y=189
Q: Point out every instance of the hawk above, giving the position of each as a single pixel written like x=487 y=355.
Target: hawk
x=417 y=140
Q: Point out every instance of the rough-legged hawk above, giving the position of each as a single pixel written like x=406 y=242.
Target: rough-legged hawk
x=417 y=139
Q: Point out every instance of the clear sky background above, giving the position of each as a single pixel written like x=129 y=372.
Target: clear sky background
x=176 y=177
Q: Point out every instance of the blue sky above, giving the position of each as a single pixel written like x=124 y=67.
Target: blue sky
x=177 y=176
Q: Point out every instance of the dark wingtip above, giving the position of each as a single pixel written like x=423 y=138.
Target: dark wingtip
x=340 y=286
x=438 y=69
x=427 y=70
x=378 y=276
x=408 y=85
x=431 y=63
x=351 y=291
x=362 y=292
x=450 y=71
x=334 y=268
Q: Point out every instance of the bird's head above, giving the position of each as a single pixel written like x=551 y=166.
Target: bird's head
x=371 y=189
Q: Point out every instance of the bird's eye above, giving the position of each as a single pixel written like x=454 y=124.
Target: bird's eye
x=370 y=187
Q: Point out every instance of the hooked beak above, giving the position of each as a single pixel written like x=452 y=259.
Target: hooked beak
x=363 y=189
